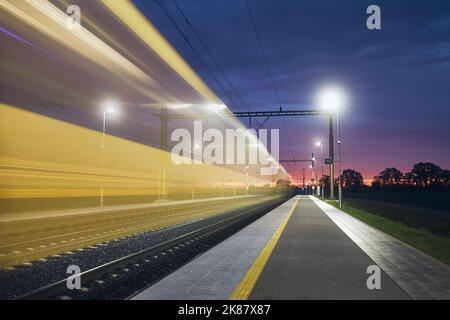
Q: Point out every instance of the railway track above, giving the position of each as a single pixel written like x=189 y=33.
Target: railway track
x=23 y=242
x=124 y=277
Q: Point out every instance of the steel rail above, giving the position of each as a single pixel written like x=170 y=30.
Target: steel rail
x=60 y=287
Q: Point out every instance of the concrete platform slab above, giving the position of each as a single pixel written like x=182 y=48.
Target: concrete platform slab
x=420 y=275
x=216 y=273
x=314 y=259
x=306 y=249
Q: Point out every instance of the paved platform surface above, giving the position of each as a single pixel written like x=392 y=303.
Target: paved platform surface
x=320 y=253
x=418 y=274
x=216 y=273
x=314 y=259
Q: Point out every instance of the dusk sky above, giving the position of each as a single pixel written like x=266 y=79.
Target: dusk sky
x=396 y=79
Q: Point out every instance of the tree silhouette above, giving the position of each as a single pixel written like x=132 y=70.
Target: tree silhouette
x=426 y=174
x=325 y=181
x=351 y=179
x=388 y=177
x=408 y=179
x=424 y=177
x=444 y=177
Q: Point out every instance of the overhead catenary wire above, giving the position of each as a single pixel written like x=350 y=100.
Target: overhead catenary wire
x=266 y=63
x=208 y=51
x=186 y=39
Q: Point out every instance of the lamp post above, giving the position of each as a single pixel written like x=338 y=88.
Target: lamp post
x=246 y=179
x=303 y=178
x=108 y=108
x=320 y=144
x=228 y=181
x=314 y=169
x=339 y=154
x=331 y=155
x=331 y=99
x=311 y=166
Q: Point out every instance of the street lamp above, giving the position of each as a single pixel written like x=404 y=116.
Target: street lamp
x=331 y=99
x=110 y=108
x=320 y=144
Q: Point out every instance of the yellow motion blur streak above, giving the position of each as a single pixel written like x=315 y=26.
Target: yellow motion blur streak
x=48 y=19
x=45 y=157
x=28 y=237
x=139 y=24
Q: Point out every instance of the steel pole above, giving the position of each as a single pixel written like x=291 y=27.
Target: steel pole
x=316 y=189
x=339 y=154
x=321 y=165
x=331 y=155
x=164 y=117
x=246 y=178
x=103 y=155
x=303 y=178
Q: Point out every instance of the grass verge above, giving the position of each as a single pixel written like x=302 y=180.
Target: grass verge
x=436 y=246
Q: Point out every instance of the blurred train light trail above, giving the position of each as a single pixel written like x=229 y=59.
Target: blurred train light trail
x=46 y=18
x=56 y=80
x=136 y=21
x=216 y=107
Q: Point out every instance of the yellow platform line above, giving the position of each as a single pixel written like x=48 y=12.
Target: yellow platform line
x=247 y=283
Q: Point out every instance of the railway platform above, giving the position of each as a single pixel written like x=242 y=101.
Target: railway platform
x=307 y=249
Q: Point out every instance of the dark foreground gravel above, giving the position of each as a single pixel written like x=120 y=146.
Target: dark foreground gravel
x=26 y=278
